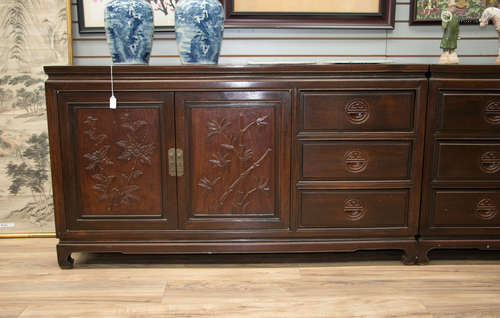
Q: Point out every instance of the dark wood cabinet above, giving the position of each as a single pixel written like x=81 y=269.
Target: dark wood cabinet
x=263 y=159
x=460 y=201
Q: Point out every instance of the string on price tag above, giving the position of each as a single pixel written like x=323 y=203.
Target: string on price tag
x=112 y=99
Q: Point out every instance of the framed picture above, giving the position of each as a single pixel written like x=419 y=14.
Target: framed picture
x=265 y=13
x=312 y=13
x=429 y=11
x=33 y=34
x=91 y=15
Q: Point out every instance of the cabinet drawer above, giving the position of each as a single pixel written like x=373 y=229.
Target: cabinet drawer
x=358 y=111
x=468 y=161
x=340 y=160
x=460 y=208
x=473 y=111
x=354 y=209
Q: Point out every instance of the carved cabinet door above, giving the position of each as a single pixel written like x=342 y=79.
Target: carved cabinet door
x=236 y=159
x=115 y=165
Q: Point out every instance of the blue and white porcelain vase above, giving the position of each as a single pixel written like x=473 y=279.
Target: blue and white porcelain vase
x=199 y=25
x=129 y=30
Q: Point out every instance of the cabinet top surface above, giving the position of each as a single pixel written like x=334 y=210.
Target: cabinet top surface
x=201 y=70
x=277 y=70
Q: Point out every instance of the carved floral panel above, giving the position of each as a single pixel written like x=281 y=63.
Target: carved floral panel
x=233 y=151
x=118 y=155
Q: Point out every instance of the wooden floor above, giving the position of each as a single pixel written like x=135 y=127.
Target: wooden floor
x=327 y=285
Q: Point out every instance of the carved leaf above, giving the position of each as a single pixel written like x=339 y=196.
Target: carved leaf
x=246 y=155
x=102 y=178
x=217 y=126
x=207 y=184
x=136 y=174
x=127 y=193
x=227 y=146
x=98 y=158
x=135 y=126
x=91 y=121
x=263 y=184
x=220 y=160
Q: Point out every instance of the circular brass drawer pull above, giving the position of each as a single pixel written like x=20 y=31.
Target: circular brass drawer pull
x=486 y=209
x=492 y=113
x=354 y=209
x=489 y=162
x=356 y=161
x=357 y=111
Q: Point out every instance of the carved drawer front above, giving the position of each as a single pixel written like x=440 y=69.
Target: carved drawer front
x=474 y=111
x=339 y=160
x=357 y=111
x=468 y=161
x=354 y=209
x=464 y=208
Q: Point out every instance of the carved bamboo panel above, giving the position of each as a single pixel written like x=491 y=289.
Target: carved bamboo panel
x=233 y=160
x=236 y=148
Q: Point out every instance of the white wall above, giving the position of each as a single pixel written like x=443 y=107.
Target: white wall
x=404 y=44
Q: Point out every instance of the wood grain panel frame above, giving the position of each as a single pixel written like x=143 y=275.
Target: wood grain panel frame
x=383 y=19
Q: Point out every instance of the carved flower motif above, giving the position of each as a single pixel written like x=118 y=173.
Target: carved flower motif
x=133 y=149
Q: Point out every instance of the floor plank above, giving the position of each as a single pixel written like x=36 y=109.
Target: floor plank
x=372 y=284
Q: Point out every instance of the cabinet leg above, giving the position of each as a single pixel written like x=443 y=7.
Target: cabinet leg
x=64 y=257
x=410 y=256
x=423 y=255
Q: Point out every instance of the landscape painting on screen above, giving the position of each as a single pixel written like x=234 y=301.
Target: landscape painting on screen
x=33 y=34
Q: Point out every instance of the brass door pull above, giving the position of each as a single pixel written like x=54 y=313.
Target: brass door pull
x=175 y=162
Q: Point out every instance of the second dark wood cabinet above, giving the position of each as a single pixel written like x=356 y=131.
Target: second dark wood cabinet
x=460 y=201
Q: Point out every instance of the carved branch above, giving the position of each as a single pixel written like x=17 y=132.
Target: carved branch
x=259 y=121
x=245 y=173
x=243 y=202
x=243 y=153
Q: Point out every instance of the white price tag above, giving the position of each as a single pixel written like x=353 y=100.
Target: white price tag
x=112 y=99
x=112 y=102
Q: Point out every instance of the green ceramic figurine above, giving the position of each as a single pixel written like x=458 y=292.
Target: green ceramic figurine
x=450 y=26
